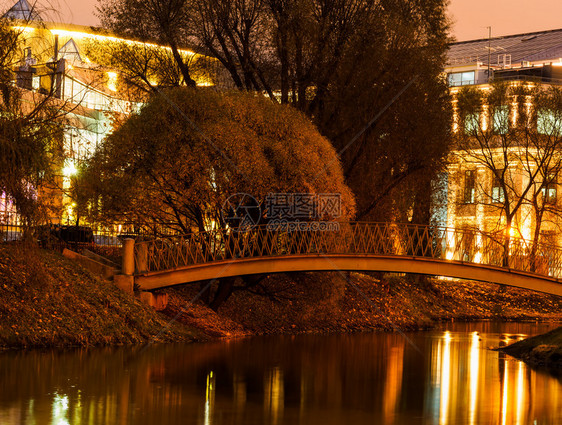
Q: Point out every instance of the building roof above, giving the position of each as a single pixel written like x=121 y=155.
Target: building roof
x=70 y=52
x=23 y=11
x=532 y=47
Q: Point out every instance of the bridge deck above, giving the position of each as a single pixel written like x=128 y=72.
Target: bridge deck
x=387 y=247
x=427 y=266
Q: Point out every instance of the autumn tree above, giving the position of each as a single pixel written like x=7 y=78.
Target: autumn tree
x=30 y=132
x=187 y=151
x=510 y=137
x=165 y=22
x=359 y=69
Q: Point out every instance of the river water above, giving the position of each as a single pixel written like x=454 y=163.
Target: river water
x=443 y=376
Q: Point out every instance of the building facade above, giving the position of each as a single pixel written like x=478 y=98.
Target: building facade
x=71 y=64
x=505 y=165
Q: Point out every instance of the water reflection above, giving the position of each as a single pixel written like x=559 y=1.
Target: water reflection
x=375 y=378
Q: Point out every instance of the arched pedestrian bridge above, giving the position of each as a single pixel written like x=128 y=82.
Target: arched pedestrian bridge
x=387 y=247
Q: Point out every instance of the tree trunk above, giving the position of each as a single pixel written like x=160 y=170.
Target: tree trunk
x=224 y=291
x=422 y=203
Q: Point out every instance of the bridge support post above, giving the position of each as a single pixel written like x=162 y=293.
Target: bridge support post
x=128 y=265
x=158 y=301
x=125 y=281
x=141 y=258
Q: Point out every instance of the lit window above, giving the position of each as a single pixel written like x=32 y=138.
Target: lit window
x=471 y=123
x=548 y=191
x=470 y=187
x=549 y=123
x=501 y=120
x=112 y=81
x=498 y=195
x=461 y=78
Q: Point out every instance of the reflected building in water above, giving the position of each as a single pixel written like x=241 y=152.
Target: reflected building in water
x=443 y=377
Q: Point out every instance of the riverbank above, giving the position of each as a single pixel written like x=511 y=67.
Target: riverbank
x=330 y=303
x=47 y=300
x=541 y=351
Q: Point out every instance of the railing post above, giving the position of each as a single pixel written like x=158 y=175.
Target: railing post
x=141 y=257
x=126 y=280
x=128 y=265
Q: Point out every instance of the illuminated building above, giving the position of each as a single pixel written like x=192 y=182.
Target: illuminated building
x=63 y=61
x=474 y=196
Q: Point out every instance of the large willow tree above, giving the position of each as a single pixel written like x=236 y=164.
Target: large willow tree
x=188 y=151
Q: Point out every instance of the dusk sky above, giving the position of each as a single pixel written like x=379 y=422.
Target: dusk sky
x=470 y=17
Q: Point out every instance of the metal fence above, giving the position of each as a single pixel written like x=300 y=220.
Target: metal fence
x=390 y=239
x=43 y=234
x=12 y=231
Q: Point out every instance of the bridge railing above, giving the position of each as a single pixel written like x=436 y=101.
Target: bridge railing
x=390 y=239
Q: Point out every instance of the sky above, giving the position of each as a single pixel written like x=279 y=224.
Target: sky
x=470 y=17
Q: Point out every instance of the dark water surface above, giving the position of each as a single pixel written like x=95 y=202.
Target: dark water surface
x=445 y=376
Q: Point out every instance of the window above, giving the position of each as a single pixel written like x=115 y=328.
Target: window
x=470 y=187
x=498 y=195
x=501 y=120
x=461 y=78
x=471 y=123
x=548 y=190
x=549 y=123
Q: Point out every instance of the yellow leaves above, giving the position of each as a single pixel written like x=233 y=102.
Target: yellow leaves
x=220 y=143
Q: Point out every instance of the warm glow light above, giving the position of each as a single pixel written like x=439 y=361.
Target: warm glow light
x=393 y=383
x=209 y=398
x=474 y=370
x=69 y=170
x=274 y=395
x=484 y=117
x=99 y=37
x=520 y=402
x=112 y=81
x=24 y=29
x=514 y=232
x=60 y=410
x=445 y=380
x=505 y=395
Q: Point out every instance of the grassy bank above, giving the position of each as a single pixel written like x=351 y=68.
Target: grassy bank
x=328 y=302
x=47 y=300
x=541 y=350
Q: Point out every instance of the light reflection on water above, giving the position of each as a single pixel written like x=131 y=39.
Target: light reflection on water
x=362 y=378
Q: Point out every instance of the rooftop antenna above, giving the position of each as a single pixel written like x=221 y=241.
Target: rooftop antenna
x=489 y=49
